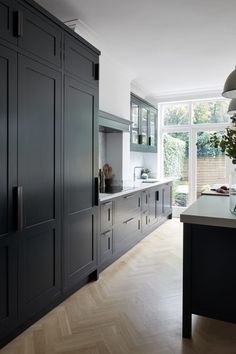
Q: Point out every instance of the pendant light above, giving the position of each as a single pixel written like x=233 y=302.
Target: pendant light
x=230 y=86
x=232 y=107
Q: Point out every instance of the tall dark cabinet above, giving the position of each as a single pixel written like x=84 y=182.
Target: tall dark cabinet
x=48 y=160
x=38 y=161
x=8 y=180
x=80 y=127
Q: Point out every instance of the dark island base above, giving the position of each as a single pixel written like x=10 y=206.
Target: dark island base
x=209 y=268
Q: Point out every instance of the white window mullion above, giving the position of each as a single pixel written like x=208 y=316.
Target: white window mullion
x=192 y=129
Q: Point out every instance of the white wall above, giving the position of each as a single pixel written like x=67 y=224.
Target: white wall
x=114 y=93
x=147 y=160
x=114 y=97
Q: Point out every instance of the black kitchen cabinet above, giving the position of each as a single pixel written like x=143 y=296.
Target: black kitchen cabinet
x=80 y=129
x=106 y=246
x=39 y=121
x=8 y=21
x=127 y=206
x=134 y=216
x=145 y=200
x=106 y=215
x=126 y=234
x=48 y=160
x=167 y=199
x=154 y=196
x=143 y=135
x=80 y=62
x=38 y=36
x=8 y=180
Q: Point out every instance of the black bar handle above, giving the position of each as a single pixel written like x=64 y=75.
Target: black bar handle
x=128 y=221
x=19 y=24
x=149 y=141
x=20 y=209
x=96 y=199
x=140 y=139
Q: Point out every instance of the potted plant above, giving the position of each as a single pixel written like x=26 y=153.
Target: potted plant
x=227 y=144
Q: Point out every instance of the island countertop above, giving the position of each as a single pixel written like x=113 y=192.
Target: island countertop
x=211 y=211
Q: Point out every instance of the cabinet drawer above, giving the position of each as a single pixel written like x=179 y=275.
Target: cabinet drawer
x=127 y=233
x=145 y=199
x=106 y=211
x=129 y=204
x=106 y=246
x=39 y=36
x=79 y=61
x=145 y=220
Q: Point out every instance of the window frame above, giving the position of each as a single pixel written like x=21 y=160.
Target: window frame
x=192 y=129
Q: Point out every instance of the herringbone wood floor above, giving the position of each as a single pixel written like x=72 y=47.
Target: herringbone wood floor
x=134 y=308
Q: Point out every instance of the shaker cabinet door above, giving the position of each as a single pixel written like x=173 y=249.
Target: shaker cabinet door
x=80 y=128
x=39 y=120
x=8 y=239
x=40 y=36
x=8 y=21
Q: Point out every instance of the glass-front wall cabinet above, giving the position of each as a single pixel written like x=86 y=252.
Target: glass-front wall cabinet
x=144 y=125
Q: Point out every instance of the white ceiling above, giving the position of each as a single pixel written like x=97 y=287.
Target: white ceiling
x=171 y=46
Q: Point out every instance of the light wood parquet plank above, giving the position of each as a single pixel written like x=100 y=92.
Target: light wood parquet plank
x=134 y=308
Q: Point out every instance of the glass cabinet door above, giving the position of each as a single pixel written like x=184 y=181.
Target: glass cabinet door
x=152 y=128
x=144 y=126
x=143 y=135
x=135 y=125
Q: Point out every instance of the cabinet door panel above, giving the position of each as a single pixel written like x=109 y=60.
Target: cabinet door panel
x=39 y=174
x=6 y=21
x=106 y=214
x=167 y=199
x=79 y=61
x=8 y=174
x=40 y=37
x=145 y=200
x=79 y=144
x=8 y=285
x=106 y=246
x=79 y=246
x=153 y=199
x=128 y=205
x=80 y=233
x=126 y=234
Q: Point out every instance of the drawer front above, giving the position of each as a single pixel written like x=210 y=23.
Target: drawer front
x=126 y=206
x=145 y=198
x=127 y=233
x=106 y=212
x=106 y=246
x=40 y=37
x=145 y=220
x=79 y=61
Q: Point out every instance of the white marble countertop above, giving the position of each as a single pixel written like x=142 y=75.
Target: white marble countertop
x=211 y=211
x=137 y=186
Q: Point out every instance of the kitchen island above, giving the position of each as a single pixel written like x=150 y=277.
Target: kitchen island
x=209 y=261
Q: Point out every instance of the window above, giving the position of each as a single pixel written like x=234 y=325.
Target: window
x=185 y=154
x=176 y=114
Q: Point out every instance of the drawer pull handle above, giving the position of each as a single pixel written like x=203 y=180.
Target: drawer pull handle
x=19 y=24
x=19 y=191
x=107 y=203
x=129 y=196
x=128 y=221
x=107 y=232
x=96 y=192
x=109 y=243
